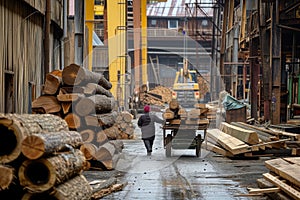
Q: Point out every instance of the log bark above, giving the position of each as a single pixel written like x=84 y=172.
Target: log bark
x=118 y=144
x=73 y=121
x=37 y=145
x=111 y=164
x=45 y=105
x=112 y=132
x=105 y=152
x=88 y=150
x=75 y=188
x=7 y=176
x=106 y=119
x=96 y=104
x=76 y=75
x=93 y=88
x=43 y=174
x=127 y=117
x=15 y=127
x=52 y=84
x=70 y=97
x=87 y=135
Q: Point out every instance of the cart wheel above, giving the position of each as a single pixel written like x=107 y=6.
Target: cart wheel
x=198 y=145
x=168 y=145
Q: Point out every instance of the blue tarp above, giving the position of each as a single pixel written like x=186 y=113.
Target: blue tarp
x=230 y=103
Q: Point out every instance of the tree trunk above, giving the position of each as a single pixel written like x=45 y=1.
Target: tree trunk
x=76 y=75
x=7 y=176
x=88 y=135
x=46 y=104
x=35 y=146
x=52 y=84
x=96 y=104
x=73 y=121
x=93 y=88
x=75 y=188
x=89 y=150
x=14 y=128
x=43 y=174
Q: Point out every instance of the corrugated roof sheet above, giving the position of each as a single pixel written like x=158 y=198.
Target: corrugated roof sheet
x=177 y=8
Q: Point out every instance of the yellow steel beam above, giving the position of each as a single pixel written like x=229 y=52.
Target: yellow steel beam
x=89 y=16
x=116 y=34
x=144 y=40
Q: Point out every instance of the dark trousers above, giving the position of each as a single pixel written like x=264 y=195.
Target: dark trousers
x=149 y=143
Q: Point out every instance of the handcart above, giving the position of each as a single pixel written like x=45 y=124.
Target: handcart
x=183 y=135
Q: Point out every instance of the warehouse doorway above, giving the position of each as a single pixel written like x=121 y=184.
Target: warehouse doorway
x=9 y=92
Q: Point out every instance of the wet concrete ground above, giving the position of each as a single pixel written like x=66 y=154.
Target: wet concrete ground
x=183 y=175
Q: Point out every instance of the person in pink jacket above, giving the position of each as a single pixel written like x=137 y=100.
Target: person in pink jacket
x=146 y=123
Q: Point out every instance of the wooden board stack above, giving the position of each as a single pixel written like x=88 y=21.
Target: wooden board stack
x=39 y=156
x=239 y=139
x=282 y=181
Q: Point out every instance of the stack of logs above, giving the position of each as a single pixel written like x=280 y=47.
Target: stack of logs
x=82 y=98
x=240 y=139
x=157 y=96
x=177 y=115
x=40 y=159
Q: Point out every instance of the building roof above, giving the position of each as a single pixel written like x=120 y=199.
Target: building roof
x=177 y=8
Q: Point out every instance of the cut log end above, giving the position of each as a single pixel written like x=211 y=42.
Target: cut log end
x=33 y=147
x=7 y=175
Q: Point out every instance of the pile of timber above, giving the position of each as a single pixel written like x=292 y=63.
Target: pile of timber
x=40 y=158
x=177 y=115
x=282 y=181
x=164 y=92
x=147 y=98
x=81 y=97
x=239 y=139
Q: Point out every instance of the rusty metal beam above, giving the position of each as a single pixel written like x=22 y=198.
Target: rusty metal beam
x=254 y=77
x=47 y=37
x=275 y=51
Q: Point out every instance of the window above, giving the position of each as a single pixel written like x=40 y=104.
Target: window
x=172 y=24
x=204 y=22
x=153 y=22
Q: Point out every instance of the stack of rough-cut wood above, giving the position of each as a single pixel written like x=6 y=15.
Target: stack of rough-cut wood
x=239 y=139
x=282 y=181
x=164 y=92
x=40 y=158
x=177 y=115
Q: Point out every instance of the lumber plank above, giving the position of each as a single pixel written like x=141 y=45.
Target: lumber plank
x=286 y=170
x=283 y=186
x=248 y=136
x=232 y=144
x=263 y=190
x=214 y=148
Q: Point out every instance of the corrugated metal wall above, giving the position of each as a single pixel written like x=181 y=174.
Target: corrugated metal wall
x=21 y=51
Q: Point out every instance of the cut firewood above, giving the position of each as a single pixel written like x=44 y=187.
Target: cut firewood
x=93 y=88
x=96 y=104
x=168 y=114
x=118 y=144
x=126 y=116
x=106 y=191
x=112 y=132
x=89 y=150
x=174 y=105
x=87 y=135
x=105 y=152
x=15 y=127
x=111 y=164
x=45 y=105
x=232 y=144
x=42 y=174
x=101 y=137
x=75 y=188
x=7 y=176
x=76 y=75
x=37 y=145
x=70 y=97
x=105 y=119
x=52 y=84
x=247 y=136
x=73 y=120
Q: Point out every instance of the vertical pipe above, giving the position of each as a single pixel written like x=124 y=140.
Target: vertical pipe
x=223 y=40
x=137 y=41
x=47 y=37
x=79 y=31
